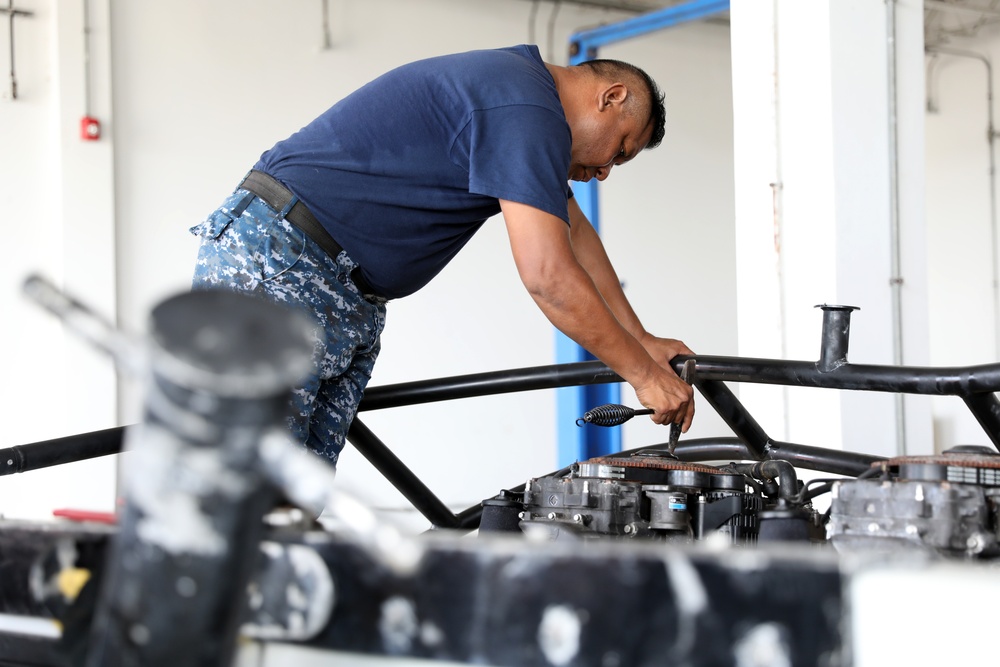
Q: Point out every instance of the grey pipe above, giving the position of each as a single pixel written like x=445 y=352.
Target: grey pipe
x=990 y=137
x=896 y=278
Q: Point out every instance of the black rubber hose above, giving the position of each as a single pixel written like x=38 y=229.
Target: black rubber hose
x=782 y=471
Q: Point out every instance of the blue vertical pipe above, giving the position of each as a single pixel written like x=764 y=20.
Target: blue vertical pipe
x=576 y=443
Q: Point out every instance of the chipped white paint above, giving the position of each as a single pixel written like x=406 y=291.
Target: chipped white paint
x=297 y=472
x=746 y=560
x=165 y=480
x=383 y=540
x=42 y=588
x=295 y=596
x=763 y=645
x=398 y=625
x=296 y=624
x=689 y=592
x=690 y=597
x=309 y=597
x=30 y=626
x=430 y=634
x=309 y=483
x=272 y=549
x=185 y=422
x=559 y=634
x=172 y=518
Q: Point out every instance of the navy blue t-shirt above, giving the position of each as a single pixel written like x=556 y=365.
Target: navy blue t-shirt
x=405 y=170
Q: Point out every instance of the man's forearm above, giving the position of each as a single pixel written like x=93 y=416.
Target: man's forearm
x=568 y=294
x=590 y=252
x=573 y=304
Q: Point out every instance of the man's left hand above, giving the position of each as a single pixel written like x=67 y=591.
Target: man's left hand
x=664 y=349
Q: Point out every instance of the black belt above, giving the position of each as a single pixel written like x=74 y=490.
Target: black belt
x=277 y=196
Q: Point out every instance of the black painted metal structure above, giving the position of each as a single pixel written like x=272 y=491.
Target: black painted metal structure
x=973 y=384
x=166 y=594
x=223 y=367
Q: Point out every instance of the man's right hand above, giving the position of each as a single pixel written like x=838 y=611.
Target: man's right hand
x=566 y=293
x=670 y=398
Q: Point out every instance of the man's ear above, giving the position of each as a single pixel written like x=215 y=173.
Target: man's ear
x=613 y=95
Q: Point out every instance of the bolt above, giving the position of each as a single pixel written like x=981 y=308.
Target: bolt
x=629 y=528
x=578 y=518
x=552 y=515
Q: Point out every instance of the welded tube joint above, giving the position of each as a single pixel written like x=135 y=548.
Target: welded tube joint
x=836 y=336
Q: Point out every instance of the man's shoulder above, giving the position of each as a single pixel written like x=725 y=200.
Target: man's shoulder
x=510 y=61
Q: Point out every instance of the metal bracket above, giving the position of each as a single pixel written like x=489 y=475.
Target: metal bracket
x=11 y=13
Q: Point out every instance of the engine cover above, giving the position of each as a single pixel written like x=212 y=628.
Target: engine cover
x=944 y=504
x=641 y=497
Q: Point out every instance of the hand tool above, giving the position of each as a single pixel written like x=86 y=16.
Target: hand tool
x=675 y=428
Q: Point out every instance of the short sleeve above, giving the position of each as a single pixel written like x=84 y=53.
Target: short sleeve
x=520 y=153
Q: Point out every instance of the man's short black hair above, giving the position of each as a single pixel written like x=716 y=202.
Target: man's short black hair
x=657 y=112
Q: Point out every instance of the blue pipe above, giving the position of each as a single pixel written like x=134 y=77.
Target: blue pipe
x=581 y=443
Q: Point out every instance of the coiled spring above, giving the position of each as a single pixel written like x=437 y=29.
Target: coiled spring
x=611 y=414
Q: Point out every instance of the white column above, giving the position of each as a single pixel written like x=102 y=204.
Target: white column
x=914 y=293
x=86 y=215
x=814 y=129
x=60 y=386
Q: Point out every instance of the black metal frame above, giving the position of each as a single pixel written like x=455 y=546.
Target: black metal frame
x=974 y=384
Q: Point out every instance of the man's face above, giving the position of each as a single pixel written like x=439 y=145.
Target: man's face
x=606 y=137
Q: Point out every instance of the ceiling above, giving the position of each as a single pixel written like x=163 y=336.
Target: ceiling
x=945 y=21
x=951 y=21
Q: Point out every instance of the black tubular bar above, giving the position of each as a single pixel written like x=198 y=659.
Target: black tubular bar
x=469 y=519
x=730 y=449
x=957 y=381
x=401 y=477
x=975 y=384
x=986 y=409
x=953 y=381
x=48 y=453
x=725 y=403
x=822 y=459
x=487 y=384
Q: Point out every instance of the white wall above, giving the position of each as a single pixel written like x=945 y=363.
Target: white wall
x=960 y=236
x=814 y=190
x=201 y=89
x=58 y=221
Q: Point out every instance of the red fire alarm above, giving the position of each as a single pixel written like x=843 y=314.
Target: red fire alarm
x=90 y=128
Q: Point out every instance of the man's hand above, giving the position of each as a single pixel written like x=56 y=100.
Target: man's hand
x=572 y=282
x=662 y=350
x=670 y=398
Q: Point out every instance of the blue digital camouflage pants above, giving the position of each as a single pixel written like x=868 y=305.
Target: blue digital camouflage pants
x=247 y=246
